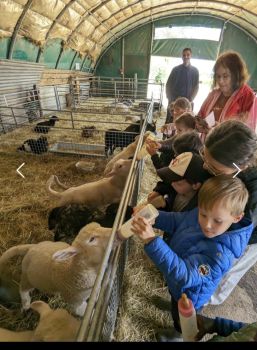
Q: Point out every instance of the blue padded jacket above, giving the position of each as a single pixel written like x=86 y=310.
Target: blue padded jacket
x=192 y=263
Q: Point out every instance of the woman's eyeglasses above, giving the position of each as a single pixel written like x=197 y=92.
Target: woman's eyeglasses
x=214 y=171
x=208 y=166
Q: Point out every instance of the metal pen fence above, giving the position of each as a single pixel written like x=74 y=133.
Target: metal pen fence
x=99 y=319
x=91 y=94
x=68 y=132
x=120 y=89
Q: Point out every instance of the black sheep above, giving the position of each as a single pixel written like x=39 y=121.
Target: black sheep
x=66 y=221
x=116 y=138
x=108 y=218
x=44 y=127
x=35 y=146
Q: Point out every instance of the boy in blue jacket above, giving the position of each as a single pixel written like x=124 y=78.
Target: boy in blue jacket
x=203 y=242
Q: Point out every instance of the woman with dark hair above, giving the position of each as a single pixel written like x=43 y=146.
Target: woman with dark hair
x=231 y=97
x=231 y=148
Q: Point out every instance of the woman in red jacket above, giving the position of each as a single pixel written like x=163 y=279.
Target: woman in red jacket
x=231 y=98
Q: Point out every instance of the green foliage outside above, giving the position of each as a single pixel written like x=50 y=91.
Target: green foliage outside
x=160 y=75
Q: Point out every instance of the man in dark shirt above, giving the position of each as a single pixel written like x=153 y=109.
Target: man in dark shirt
x=182 y=82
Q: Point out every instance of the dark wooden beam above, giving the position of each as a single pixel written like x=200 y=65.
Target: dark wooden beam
x=17 y=28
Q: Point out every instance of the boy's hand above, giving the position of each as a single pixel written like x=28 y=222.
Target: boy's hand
x=143 y=229
x=205 y=325
x=168 y=129
x=151 y=150
x=153 y=143
x=158 y=202
x=138 y=208
x=152 y=195
x=152 y=146
x=202 y=125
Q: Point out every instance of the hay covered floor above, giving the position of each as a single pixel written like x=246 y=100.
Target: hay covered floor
x=138 y=316
x=24 y=208
x=24 y=203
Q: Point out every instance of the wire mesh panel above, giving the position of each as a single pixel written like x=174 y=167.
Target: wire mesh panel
x=96 y=95
x=124 y=92
x=79 y=133
x=99 y=320
x=112 y=309
x=108 y=328
x=26 y=106
x=41 y=144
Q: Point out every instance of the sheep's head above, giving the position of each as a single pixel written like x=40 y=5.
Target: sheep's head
x=121 y=168
x=91 y=241
x=54 y=117
x=143 y=152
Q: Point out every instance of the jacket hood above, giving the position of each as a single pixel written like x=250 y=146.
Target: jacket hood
x=237 y=237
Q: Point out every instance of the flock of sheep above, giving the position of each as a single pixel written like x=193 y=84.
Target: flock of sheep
x=70 y=269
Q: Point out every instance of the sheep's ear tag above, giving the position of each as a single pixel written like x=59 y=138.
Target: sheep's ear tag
x=64 y=254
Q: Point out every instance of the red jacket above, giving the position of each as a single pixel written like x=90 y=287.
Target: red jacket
x=242 y=100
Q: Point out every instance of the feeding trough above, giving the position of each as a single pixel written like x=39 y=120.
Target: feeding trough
x=86 y=150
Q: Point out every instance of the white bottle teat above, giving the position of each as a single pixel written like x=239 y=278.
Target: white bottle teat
x=188 y=320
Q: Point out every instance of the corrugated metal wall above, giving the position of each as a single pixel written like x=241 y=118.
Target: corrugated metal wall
x=18 y=75
x=16 y=78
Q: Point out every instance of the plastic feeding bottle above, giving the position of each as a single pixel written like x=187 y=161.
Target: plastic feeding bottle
x=149 y=212
x=143 y=152
x=187 y=316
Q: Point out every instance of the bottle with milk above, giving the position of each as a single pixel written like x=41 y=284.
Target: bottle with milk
x=149 y=212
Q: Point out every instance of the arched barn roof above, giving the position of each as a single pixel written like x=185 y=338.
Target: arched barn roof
x=90 y=26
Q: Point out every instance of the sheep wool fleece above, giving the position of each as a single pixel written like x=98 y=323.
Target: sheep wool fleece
x=192 y=263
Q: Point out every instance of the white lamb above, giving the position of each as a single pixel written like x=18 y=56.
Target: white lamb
x=103 y=192
x=54 y=325
x=126 y=153
x=57 y=267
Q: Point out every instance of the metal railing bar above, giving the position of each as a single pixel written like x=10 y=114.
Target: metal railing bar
x=84 y=327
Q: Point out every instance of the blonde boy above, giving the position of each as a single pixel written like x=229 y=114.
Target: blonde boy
x=203 y=242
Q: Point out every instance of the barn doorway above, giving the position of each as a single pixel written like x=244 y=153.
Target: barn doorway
x=160 y=68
